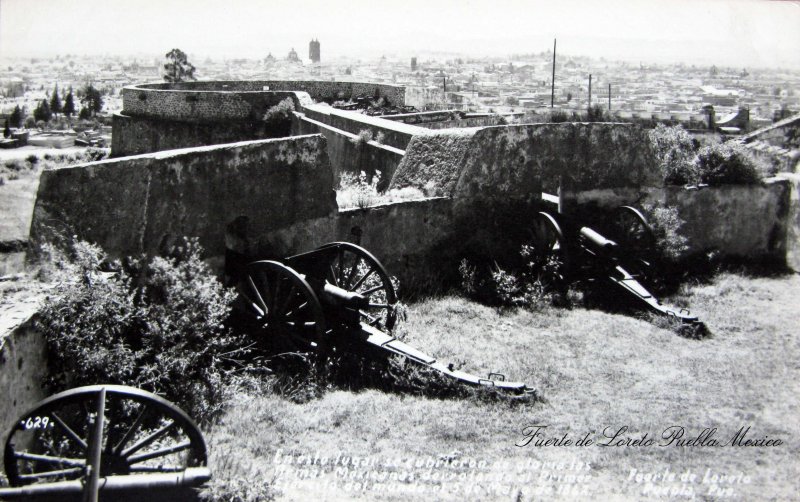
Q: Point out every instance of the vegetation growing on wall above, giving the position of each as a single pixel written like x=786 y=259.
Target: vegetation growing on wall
x=683 y=162
x=154 y=324
x=277 y=119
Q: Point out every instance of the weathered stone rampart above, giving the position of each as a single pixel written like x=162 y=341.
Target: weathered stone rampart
x=145 y=203
x=522 y=160
x=162 y=116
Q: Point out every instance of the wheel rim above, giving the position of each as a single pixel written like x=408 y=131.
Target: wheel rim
x=632 y=230
x=355 y=269
x=142 y=433
x=547 y=240
x=283 y=303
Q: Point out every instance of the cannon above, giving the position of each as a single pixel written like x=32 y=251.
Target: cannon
x=339 y=297
x=624 y=256
x=103 y=442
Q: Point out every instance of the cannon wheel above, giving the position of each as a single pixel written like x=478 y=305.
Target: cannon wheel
x=283 y=302
x=355 y=269
x=633 y=231
x=140 y=433
x=547 y=240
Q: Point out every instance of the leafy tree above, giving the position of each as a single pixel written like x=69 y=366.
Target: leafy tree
x=178 y=68
x=69 y=104
x=42 y=112
x=92 y=99
x=675 y=152
x=84 y=114
x=6 y=130
x=512 y=101
x=16 y=117
x=55 y=101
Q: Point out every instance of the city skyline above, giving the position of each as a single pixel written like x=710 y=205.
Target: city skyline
x=727 y=33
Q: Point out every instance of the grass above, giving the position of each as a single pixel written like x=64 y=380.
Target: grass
x=595 y=370
x=21 y=170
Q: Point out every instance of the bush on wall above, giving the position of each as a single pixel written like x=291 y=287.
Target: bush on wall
x=278 y=119
x=156 y=325
x=728 y=164
x=682 y=163
x=675 y=152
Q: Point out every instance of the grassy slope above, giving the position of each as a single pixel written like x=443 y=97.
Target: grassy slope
x=595 y=370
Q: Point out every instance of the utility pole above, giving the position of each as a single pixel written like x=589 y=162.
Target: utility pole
x=553 y=83
x=609 y=97
x=590 y=90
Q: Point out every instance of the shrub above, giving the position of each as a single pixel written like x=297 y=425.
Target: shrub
x=278 y=119
x=32 y=159
x=363 y=137
x=666 y=225
x=156 y=325
x=94 y=154
x=675 y=151
x=728 y=164
x=558 y=116
x=280 y=112
x=380 y=137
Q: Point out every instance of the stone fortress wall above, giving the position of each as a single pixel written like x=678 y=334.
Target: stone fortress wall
x=162 y=116
x=487 y=174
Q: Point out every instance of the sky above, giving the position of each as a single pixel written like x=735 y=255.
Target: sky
x=763 y=33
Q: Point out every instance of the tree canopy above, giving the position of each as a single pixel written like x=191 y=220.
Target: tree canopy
x=178 y=68
x=92 y=100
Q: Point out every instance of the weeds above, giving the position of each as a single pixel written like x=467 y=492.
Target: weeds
x=360 y=192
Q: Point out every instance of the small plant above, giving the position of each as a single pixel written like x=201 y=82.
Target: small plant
x=666 y=225
x=360 y=191
x=728 y=164
x=380 y=137
x=363 y=137
x=32 y=159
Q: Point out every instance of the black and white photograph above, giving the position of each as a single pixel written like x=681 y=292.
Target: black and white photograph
x=442 y=250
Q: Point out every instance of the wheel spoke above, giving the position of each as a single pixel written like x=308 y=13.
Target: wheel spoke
x=73 y=462
x=371 y=290
x=129 y=434
x=378 y=305
x=262 y=303
x=288 y=300
x=295 y=311
x=333 y=275
x=50 y=474
x=352 y=273
x=159 y=453
x=69 y=431
x=361 y=281
x=149 y=439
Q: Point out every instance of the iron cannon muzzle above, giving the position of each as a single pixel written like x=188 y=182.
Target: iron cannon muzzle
x=597 y=243
x=336 y=296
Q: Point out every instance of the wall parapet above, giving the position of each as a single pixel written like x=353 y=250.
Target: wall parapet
x=146 y=203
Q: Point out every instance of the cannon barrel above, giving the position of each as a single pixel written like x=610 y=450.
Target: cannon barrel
x=339 y=297
x=596 y=242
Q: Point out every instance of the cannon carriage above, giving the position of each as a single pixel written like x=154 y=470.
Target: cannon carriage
x=339 y=297
x=622 y=253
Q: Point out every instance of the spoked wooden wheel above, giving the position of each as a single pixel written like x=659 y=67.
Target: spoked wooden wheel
x=122 y=430
x=632 y=231
x=547 y=241
x=355 y=269
x=283 y=303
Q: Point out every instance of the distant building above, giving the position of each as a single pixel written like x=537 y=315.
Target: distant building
x=313 y=51
x=413 y=64
x=292 y=57
x=269 y=59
